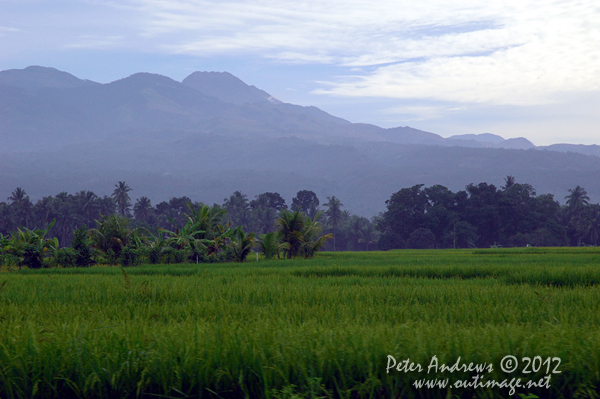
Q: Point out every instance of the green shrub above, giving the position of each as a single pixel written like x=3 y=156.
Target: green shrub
x=421 y=239
x=154 y=254
x=172 y=255
x=130 y=256
x=81 y=249
x=111 y=257
x=32 y=257
x=64 y=257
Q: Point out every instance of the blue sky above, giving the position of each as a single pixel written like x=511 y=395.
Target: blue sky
x=526 y=68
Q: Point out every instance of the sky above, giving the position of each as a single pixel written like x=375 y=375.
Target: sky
x=518 y=68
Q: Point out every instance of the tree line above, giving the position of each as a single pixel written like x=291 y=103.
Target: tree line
x=258 y=215
x=84 y=228
x=483 y=216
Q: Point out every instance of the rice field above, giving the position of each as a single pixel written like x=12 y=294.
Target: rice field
x=328 y=327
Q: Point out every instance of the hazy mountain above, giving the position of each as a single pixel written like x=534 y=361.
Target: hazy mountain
x=483 y=138
x=44 y=108
x=209 y=168
x=226 y=87
x=36 y=77
x=54 y=115
x=577 y=148
x=489 y=140
x=213 y=134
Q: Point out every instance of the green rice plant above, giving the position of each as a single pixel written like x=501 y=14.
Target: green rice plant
x=321 y=327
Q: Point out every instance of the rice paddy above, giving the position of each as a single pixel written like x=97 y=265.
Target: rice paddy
x=314 y=328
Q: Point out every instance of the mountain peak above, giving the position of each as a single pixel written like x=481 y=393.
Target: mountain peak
x=38 y=77
x=145 y=79
x=483 y=137
x=226 y=87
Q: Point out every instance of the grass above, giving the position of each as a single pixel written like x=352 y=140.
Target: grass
x=304 y=328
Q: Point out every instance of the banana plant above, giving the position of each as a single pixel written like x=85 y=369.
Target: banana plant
x=215 y=244
x=112 y=234
x=29 y=246
x=4 y=245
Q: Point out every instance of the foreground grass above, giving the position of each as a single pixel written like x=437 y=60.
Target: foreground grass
x=305 y=328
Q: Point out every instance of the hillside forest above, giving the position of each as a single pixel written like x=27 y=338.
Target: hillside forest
x=83 y=228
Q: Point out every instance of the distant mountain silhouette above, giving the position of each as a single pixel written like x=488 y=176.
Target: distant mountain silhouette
x=483 y=137
x=36 y=77
x=490 y=141
x=212 y=134
x=227 y=88
x=576 y=148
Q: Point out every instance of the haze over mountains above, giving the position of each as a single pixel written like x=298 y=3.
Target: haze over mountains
x=212 y=134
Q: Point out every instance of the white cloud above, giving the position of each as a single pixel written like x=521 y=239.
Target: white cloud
x=537 y=54
x=97 y=42
x=520 y=52
x=414 y=113
x=6 y=31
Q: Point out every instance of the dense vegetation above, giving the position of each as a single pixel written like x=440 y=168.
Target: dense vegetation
x=113 y=230
x=483 y=216
x=320 y=327
x=82 y=229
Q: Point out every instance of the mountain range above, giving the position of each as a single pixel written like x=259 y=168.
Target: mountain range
x=212 y=134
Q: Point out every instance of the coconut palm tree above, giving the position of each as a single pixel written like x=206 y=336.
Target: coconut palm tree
x=299 y=235
x=121 y=197
x=106 y=205
x=6 y=217
x=593 y=223
x=142 y=210
x=577 y=199
x=290 y=226
x=208 y=219
x=238 y=209
x=311 y=241
x=265 y=219
x=241 y=243
x=22 y=206
x=334 y=214
x=43 y=210
x=270 y=246
x=18 y=195
x=354 y=228
x=87 y=206
x=370 y=235
x=66 y=217
x=509 y=181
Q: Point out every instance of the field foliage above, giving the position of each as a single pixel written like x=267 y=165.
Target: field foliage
x=311 y=328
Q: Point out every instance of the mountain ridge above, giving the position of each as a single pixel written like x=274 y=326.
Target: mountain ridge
x=166 y=138
x=215 y=102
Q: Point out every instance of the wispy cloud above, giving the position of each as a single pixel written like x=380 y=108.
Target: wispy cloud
x=414 y=113
x=518 y=52
x=97 y=42
x=6 y=30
